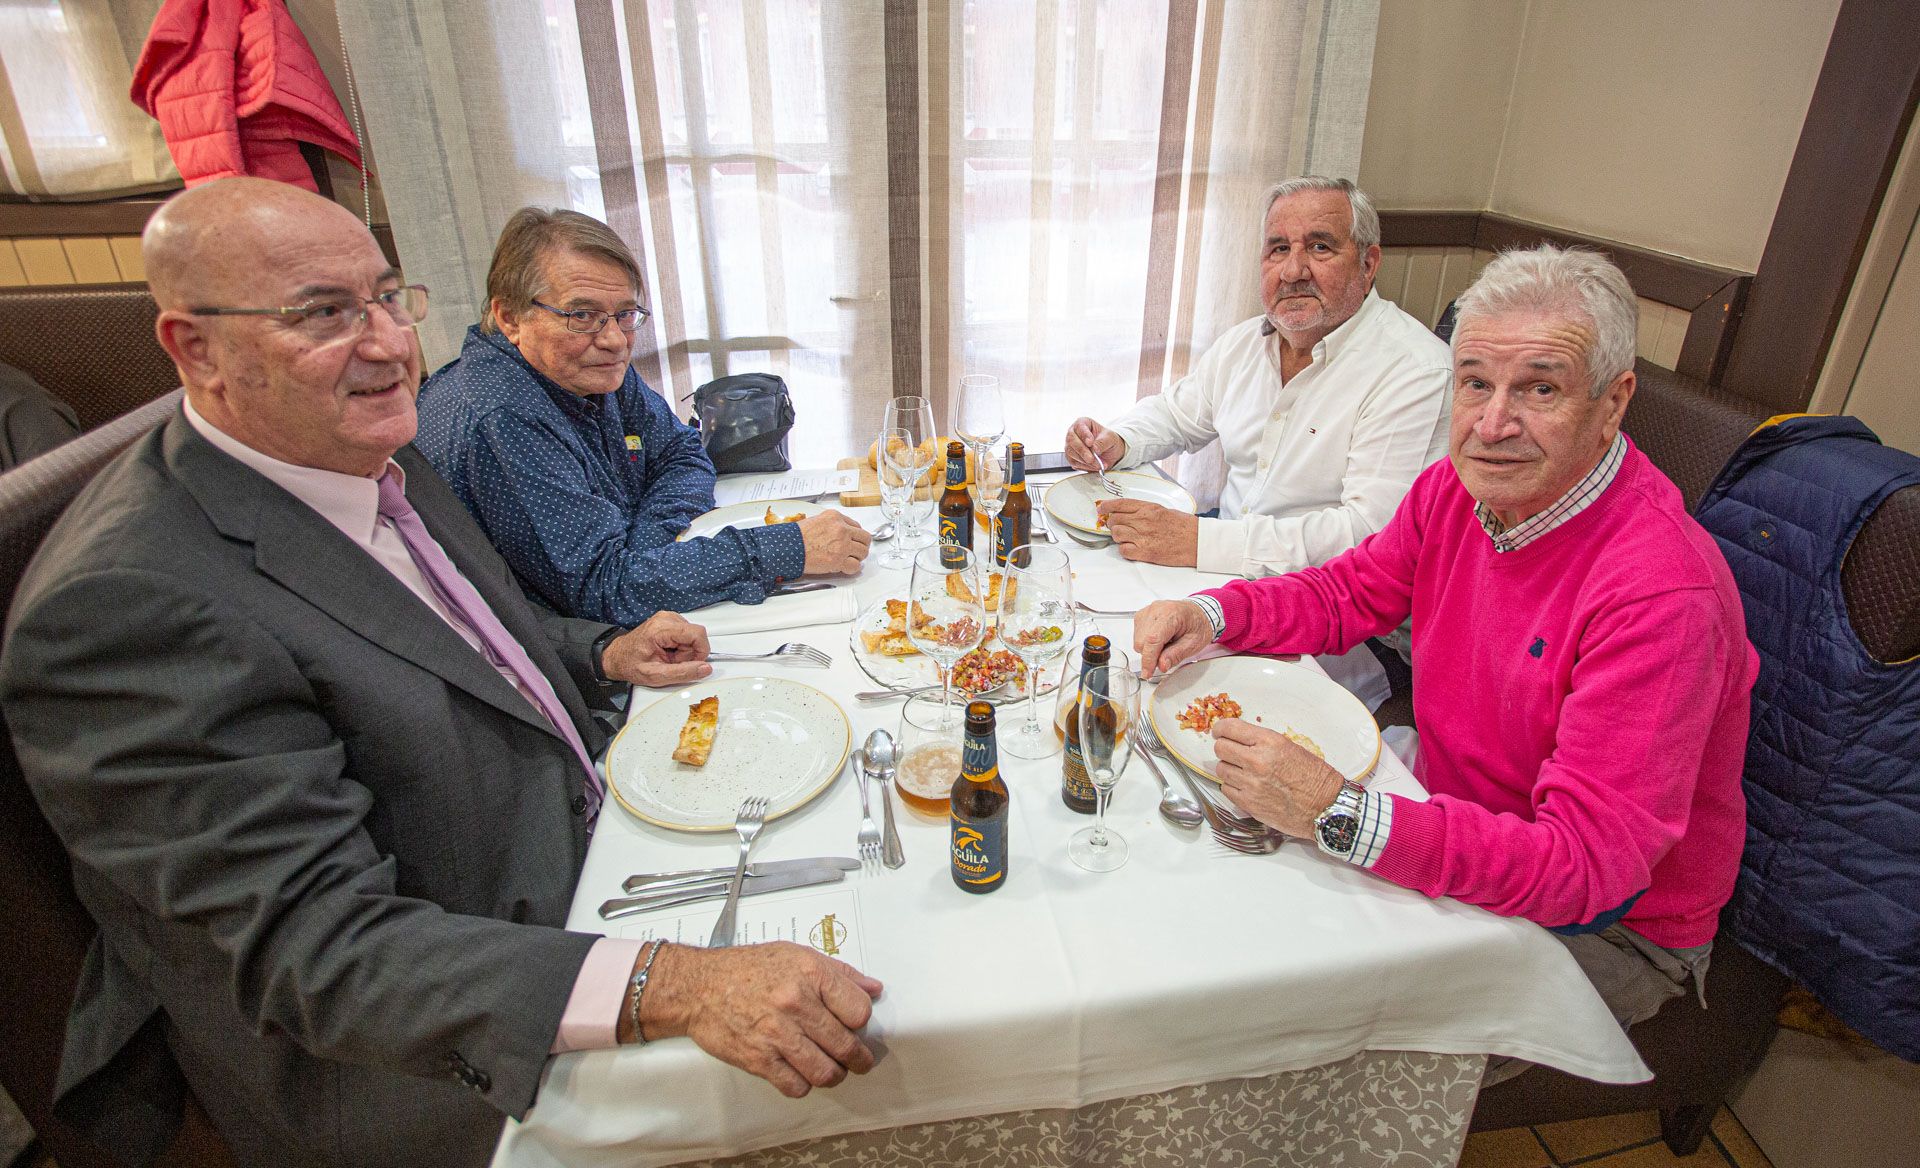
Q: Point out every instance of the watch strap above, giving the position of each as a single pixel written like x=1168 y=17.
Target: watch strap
x=596 y=656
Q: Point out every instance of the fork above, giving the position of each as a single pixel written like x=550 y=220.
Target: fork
x=747 y=825
x=1106 y=482
x=869 y=831
x=807 y=654
x=1240 y=832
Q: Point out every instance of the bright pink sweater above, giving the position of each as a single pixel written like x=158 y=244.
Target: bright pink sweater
x=1582 y=701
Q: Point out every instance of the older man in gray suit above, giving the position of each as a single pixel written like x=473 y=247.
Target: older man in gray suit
x=320 y=767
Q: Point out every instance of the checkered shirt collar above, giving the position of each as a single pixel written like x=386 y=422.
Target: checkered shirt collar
x=1576 y=500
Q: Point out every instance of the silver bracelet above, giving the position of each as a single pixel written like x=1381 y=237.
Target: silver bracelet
x=639 y=985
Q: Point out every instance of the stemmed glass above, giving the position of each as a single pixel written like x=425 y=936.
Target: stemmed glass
x=978 y=418
x=989 y=490
x=1036 y=623
x=946 y=612
x=1108 y=718
x=902 y=464
x=913 y=418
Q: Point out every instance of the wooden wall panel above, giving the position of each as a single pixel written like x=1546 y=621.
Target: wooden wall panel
x=12 y=275
x=90 y=259
x=45 y=261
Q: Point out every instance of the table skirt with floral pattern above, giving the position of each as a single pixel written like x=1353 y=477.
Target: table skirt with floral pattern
x=1401 y=1108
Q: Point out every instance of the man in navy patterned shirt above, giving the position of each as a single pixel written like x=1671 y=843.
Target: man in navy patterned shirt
x=579 y=473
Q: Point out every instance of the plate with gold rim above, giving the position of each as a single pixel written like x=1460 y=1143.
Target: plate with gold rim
x=1294 y=699
x=776 y=738
x=1072 y=499
x=749 y=515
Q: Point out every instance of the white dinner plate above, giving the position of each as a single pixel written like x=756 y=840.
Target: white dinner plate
x=747 y=515
x=776 y=738
x=1280 y=695
x=903 y=672
x=1071 y=499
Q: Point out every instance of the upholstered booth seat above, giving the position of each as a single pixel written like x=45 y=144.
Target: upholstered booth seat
x=91 y=345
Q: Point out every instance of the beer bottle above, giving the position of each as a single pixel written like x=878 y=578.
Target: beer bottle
x=1016 y=515
x=1076 y=788
x=956 y=506
x=978 y=807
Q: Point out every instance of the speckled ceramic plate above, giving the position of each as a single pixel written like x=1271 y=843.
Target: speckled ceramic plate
x=1071 y=499
x=747 y=515
x=1280 y=695
x=905 y=672
x=776 y=738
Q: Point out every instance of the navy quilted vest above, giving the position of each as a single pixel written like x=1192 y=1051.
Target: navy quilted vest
x=1829 y=887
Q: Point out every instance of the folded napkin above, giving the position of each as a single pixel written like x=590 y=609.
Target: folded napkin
x=834 y=606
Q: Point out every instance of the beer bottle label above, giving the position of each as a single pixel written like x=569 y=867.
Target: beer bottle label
x=980 y=851
x=1074 y=773
x=957 y=530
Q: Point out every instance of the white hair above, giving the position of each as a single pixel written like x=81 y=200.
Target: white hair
x=1576 y=282
x=1366 y=221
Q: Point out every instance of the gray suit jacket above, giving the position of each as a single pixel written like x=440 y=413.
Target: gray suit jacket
x=329 y=848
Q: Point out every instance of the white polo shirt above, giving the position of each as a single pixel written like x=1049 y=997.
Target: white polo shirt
x=1318 y=464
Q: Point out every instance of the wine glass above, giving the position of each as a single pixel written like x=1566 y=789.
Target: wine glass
x=978 y=418
x=913 y=417
x=989 y=489
x=1108 y=719
x=1036 y=623
x=902 y=463
x=946 y=612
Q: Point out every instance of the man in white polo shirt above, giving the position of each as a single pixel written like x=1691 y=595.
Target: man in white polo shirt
x=1327 y=406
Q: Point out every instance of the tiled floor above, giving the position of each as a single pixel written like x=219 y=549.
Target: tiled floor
x=1617 y=1141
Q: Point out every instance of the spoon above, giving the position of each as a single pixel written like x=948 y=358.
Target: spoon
x=882 y=755
x=1176 y=807
x=884 y=532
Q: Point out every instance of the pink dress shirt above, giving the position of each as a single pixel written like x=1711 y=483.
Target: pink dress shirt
x=352 y=504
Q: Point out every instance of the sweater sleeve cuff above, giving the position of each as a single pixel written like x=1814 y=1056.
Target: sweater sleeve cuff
x=1412 y=855
x=1222 y=547
x=592 y=1017
x=1234 y=609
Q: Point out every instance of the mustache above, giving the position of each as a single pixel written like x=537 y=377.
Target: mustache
x=1505 y=448
x=1303 y=288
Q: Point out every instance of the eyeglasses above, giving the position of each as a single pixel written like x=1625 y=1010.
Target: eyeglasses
x=334 y=318
x=590 y=321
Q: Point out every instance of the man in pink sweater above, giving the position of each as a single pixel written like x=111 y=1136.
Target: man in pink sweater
x=1579 y=650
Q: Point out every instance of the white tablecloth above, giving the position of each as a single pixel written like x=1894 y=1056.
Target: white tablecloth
x=1188 y=965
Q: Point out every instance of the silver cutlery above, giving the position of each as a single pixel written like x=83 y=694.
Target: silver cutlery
x=869 y=831
x=806 y=655
x=654 y=881
x=683 y=895
x=798 y=588
x=747 y=825
x=1238 y=832
x=882 y=755
x=1106 y=482
x=1177 y=809
x=881 y=695
x=1079 y=607
x=884 y=532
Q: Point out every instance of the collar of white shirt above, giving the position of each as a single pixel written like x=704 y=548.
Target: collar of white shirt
x=1329 y=346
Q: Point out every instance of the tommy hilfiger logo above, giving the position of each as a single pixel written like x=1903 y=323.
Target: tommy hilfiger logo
x=1538 y=647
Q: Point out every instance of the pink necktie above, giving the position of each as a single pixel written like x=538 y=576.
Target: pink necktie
x=466 y=604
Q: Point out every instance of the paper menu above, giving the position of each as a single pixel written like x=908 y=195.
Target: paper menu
x=797 y=484
x=827 y=920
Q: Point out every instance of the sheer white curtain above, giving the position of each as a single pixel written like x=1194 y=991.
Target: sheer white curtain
x=67 y=128
x=872 y=197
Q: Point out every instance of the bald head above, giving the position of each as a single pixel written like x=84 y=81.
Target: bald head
x=290 y=384
x=213 y=244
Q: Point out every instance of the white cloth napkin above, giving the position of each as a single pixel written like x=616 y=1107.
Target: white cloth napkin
x=833 y=606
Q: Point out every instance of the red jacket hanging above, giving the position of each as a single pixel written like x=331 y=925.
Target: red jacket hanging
x=236 y=88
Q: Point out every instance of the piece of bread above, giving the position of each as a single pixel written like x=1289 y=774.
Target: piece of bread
x=773 y=519
x=959 y=589
x=696 y=736
x=889 y=644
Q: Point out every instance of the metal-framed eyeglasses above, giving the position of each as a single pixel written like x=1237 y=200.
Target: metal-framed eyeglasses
x=325 y=319
x=589 y=321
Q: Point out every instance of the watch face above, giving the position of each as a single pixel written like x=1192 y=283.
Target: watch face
x=1338 y=832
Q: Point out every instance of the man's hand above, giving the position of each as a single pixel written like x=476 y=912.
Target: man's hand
x=1167 y=633
x=1088 y=440
x=668 y=649
x=835 y=544
x=1147 y=531
x=1278 y=783
x=780 y=1011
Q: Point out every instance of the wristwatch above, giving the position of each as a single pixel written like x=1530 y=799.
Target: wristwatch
x=1337 y=828
x=596 y=655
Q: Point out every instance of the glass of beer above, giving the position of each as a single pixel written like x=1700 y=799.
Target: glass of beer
x=929 y=757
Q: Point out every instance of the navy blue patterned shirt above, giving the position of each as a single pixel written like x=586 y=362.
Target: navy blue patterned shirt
x=585 y=495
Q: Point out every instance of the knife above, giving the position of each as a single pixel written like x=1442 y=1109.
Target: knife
x=797 y=589
x=714 y=890
x=658 y=881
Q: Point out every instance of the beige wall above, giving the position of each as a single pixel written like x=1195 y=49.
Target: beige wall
x=1668 y=126
x=1886 y=389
